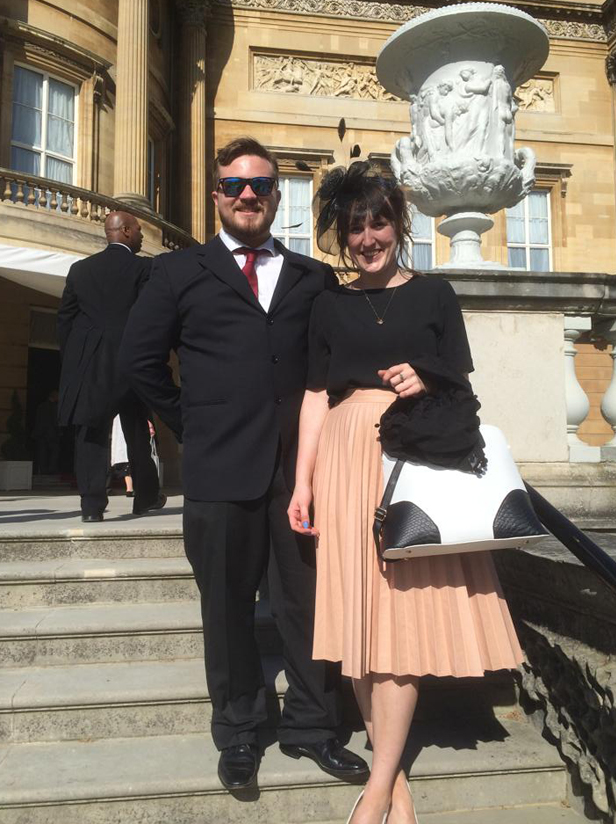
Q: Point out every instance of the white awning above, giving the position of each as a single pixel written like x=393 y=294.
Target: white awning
x=36 y=268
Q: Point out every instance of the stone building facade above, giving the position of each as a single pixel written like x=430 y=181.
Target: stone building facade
x=116 y=102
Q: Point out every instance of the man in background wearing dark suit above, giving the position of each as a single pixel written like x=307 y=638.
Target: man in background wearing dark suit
x=99 y=293
x=236 y=311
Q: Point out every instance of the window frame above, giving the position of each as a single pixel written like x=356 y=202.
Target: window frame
x=43 y=151
x=527 y=245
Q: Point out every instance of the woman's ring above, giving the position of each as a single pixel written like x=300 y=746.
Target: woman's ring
x=402 y=378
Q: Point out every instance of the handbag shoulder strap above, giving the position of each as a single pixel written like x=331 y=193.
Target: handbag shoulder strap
x=380 y=513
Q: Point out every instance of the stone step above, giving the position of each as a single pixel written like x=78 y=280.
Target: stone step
x=535 y=814
x=92 y=541
x=70 y=581
x=173 y=778
x=98 y=633
x=142 y=698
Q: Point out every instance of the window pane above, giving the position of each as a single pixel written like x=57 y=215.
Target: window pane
x=59 y=170
x=301 y=245
x=27 y=103
x=517 y=258
x=299 y=205
x=538 y=204
x=422 y=255
x=24 y=161
x=421 y=226
x=279 y=220
x=28 y=88
x=60 y=128
x=515 y=228
x=539 y=260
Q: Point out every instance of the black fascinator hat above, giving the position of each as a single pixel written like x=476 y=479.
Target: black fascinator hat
x=348 y=195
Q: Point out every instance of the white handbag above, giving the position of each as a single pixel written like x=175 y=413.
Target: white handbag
x=428 y=510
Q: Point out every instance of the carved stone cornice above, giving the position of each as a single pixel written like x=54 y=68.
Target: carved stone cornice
x=583 y=22
x=193 y=12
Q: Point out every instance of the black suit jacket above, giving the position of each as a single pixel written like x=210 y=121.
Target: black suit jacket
x=242 y=370
x=99 y=293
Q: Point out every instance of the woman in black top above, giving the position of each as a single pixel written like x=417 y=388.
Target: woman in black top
x=388 y=624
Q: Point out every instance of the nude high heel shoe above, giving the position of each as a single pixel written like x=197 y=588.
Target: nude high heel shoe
x=361 y=795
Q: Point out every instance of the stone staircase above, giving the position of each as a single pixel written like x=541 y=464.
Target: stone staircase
x=104 y=712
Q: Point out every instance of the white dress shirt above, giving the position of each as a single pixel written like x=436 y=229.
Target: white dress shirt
x=267 y=267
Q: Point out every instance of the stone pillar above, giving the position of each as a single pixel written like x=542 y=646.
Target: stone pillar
x=131 y=113
x=192 y=118
x=578 y=404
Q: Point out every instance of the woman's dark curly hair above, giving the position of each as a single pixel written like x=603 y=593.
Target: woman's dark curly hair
x=347 y=197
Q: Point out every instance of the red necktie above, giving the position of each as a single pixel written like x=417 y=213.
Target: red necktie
x=249 y=267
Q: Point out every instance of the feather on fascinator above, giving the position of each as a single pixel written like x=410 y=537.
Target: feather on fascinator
x=361 y=183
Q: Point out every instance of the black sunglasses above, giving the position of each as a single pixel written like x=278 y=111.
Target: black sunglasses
x=234 y=186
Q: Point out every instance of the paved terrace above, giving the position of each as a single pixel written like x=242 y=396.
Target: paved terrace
x=57 y=513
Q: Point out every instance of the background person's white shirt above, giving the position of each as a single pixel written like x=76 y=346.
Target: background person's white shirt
x=267 y=267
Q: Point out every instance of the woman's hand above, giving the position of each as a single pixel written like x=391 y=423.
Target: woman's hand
x=299 y=511
x=403 y=379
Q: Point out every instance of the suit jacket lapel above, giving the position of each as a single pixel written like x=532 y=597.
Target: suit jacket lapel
x=291 y=272
x=219 y=260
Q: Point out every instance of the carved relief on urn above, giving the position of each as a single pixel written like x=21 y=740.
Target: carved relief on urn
x=458 y=67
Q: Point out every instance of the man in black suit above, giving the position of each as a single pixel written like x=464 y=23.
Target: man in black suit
x=236 y=311
x=99 y=293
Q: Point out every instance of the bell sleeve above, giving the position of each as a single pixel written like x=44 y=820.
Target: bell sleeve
x=453 y=344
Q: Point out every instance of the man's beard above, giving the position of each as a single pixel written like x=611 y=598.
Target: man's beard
x=254 y=226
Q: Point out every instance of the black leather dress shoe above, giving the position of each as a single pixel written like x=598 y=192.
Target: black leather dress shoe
x=158 y=504
x=332 y=758
x=92 y=518
x=238 y=766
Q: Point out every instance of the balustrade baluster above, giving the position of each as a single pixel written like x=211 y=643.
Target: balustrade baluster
x=606 y=329
x=84 y=208
x=94 y=213
x=31 y=199
x=19 y=195
x=6 y=192
x=577 y=402
x=64 y=204
x=74 y=206
x=43 y=199
x=53 y=205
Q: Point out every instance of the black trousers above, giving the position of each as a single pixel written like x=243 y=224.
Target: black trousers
x=228 y=545
x=92 y=458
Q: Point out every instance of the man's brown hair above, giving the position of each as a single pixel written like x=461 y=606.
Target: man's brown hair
x=238 y=148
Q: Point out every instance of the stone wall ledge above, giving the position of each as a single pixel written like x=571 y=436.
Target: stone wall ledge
x=572 y=293
x=566 y=620
x=584 y=492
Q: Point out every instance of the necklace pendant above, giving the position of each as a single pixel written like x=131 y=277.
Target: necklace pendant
x=379 y=321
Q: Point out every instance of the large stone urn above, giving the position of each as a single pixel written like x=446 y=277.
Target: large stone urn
x=458 y=67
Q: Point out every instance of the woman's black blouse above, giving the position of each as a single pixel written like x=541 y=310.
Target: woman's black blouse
x=347 y=346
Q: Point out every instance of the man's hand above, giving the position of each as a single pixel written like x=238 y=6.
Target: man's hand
x=403 y=379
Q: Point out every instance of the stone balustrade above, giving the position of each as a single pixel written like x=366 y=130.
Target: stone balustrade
x=38 y=193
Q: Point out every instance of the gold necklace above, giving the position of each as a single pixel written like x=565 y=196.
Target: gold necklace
x=380 y=319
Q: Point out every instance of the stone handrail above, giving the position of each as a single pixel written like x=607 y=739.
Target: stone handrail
x=42 y=193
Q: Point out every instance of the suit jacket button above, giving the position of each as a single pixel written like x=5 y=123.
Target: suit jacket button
x=278 y=401
x=270 y=321
x=275 y=358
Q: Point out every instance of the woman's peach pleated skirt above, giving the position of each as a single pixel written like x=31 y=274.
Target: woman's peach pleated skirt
x=440 y=615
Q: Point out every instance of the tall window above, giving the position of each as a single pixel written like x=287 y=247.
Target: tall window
x=43 y=139
x=528 y=233
x=293 y=224
x=422 y=233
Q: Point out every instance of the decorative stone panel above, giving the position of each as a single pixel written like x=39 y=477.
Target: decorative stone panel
x=311 y=75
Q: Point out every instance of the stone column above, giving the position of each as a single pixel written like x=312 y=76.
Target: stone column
x=578 y=404
x=192 y=119
x=131 y=113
